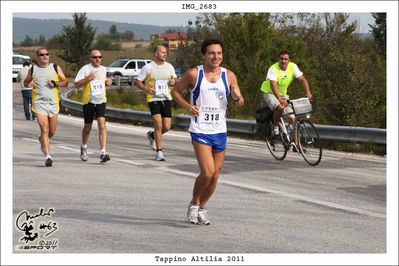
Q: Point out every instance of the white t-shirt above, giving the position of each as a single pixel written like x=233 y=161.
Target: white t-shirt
x=272 y=75
x=87 y=69
x=157 y=77
x=93 y=91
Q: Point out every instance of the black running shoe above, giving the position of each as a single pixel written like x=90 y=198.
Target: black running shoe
x=104 y=157
x=48 y=162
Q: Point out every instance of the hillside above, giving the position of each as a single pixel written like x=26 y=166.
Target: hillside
x=49 y=27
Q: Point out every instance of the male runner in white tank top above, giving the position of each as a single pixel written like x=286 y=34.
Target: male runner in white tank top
x=210 y=85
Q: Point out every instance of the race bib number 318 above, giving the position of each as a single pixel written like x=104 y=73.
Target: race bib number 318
x=209 y=117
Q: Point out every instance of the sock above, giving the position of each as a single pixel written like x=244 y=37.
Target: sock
x=47 y=156
x=84 y=146
x=159 y=150
x=103 y=151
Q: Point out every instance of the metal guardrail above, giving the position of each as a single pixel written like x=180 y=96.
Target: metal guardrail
x=327 y=133
x=117 y=79
x=353 y=134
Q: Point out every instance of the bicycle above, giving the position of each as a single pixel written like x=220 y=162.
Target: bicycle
x=307 y=136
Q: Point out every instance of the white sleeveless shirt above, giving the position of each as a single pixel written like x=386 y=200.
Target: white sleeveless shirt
x=211 y=99
x=42 y=92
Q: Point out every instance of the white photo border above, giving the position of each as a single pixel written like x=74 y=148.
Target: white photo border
x=8 y=8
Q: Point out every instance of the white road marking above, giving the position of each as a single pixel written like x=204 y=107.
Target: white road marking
x=173 y=171
x=128 y=161
x=67 y=148
x=303 y=198
x=31 y=140
x=118 y=160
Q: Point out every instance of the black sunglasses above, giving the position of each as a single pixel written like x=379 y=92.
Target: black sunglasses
x=95 y=57
x=43 y=54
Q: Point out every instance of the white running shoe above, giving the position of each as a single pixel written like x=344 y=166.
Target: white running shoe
x=83 y=154
x=151 y=141
x=192 y=213
x=202 y=219
x=159 y=156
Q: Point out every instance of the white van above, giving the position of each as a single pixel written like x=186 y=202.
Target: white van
x=17 y=61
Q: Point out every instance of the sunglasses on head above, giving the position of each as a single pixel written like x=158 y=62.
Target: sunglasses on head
x=43 y=54
x=96 y=57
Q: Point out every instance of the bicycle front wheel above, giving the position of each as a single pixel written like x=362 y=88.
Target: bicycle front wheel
x=310 y=145
x=275 y=144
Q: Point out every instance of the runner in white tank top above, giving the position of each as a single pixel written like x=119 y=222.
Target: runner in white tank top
x=45 y=81
x=211 y=99
x=211 y=84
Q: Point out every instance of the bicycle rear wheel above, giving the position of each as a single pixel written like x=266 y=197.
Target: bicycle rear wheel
x=275 y=145
x=310 y=145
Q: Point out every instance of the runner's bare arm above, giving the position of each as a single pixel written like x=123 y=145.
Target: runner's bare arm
x=234 y=88
x=186 y=82
x=62 y=80
x=28 y=82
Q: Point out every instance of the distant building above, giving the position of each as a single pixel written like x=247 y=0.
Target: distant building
x=171 y=40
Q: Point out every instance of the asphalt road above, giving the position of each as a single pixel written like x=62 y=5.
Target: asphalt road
x=133 y=204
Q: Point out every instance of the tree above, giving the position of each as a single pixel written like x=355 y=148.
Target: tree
x=54 y=43
x=27 y=42
x=154 y=44
x=379 y=31
x=113 y=33
x=77 y=40
x=349 y=74
x=104 y=43
x=171 y=30
x=190 y=55
x=112 y=30
x=127 y=35
x=41 y=40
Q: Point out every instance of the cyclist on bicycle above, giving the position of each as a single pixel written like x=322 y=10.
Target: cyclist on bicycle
x=279 y=77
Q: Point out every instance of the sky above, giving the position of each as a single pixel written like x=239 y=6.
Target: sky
x=158 y=19
x=167 y=19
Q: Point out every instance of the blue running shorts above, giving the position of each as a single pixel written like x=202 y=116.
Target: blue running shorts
x=216 y=141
